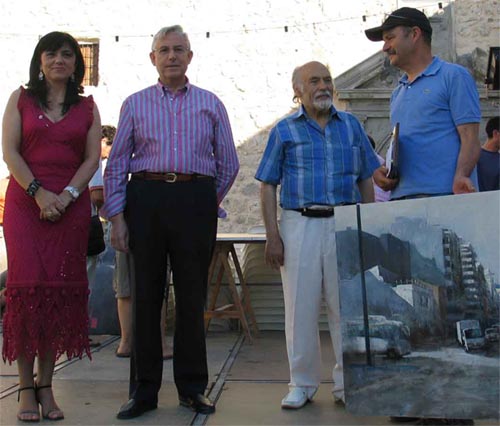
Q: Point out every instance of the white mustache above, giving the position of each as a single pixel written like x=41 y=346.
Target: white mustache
x=323 y=93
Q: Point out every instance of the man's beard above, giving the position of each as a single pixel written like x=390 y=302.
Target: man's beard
x=323 y=104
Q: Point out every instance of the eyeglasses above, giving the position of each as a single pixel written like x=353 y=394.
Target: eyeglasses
x=165 y=50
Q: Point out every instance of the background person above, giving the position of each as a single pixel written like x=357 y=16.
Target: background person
x=96 y=202
x=108 y=135
x=488 y=166
x=380 y=195
x=303 y=246
x=50 y=143
x=123 y=282
x=182 y=161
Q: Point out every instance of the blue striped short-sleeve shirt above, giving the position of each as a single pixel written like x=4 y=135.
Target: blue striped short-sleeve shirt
x=314 y=165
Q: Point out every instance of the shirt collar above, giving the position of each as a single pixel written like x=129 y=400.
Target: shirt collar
x=432 y=69
x=164 y=89
x=301 y=112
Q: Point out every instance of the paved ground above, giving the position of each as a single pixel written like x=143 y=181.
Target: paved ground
x=246 y=381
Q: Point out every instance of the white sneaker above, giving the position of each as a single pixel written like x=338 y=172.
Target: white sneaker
x=339 y=397
x=298 y=397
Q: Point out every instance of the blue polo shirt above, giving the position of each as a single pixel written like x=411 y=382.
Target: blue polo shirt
x=315 y=165
x=429 y=110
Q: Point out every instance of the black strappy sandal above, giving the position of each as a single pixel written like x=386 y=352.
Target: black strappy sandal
x=24 y=412
x=54 y=410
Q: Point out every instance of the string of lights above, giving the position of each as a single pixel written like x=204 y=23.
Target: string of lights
x=247 y=29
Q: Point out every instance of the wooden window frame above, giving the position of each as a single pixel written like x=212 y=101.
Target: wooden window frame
x=90 y=52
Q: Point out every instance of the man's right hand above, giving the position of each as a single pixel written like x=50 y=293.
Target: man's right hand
x=381 y=179
x=275 y=252
x=119 y=233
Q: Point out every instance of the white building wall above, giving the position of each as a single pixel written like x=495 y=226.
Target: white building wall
x=247 y=60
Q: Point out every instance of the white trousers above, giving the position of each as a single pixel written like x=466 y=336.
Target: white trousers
x=310 y=272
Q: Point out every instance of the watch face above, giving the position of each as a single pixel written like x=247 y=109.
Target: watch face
x=73 y=192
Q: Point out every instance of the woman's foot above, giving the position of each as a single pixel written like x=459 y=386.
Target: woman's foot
x=50 y=409
x=28 y=405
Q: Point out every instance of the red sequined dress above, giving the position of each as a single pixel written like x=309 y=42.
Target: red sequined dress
x=47 y=287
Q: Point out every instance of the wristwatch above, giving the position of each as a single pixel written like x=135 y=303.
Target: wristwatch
x=73 y=192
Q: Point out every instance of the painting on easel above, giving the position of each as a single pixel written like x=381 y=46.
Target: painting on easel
x=420 y=306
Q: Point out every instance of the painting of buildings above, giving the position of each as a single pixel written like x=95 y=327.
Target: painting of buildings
x=420 y=309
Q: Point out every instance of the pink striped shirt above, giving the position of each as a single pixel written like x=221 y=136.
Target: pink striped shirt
x=160 y=131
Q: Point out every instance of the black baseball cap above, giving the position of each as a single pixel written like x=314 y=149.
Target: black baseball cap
x=406 y=16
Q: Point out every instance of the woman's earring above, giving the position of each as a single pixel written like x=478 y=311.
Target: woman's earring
x=72 y=78
x=40 y=75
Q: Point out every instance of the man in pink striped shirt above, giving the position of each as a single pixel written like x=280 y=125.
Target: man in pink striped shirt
x=175 y=141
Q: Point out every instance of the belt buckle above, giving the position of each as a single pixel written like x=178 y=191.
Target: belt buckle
x=170 y=177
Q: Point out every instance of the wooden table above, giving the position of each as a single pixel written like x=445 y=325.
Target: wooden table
x=241 y=306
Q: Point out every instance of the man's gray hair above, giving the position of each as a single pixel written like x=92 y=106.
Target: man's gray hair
x=297 y=82
x=167 y=30
x=295 y=76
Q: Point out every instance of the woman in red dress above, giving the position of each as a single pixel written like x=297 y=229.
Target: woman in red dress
x=51 y=144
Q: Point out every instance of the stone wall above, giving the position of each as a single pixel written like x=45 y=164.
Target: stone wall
x=245 y=51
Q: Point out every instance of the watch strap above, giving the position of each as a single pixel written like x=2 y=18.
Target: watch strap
x=34 y=186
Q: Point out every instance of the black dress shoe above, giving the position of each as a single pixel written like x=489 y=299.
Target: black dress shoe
x=199 y=403
x=134 y=408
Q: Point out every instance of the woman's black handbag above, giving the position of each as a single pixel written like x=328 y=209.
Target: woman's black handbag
x=96 y=237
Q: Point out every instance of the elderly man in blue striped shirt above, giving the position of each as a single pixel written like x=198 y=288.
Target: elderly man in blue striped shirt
x=321 y=158
x=175 y=140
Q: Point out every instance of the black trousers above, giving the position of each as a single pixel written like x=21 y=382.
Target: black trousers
x=178 y=220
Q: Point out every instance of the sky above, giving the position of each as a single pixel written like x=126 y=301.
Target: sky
x=473 y=217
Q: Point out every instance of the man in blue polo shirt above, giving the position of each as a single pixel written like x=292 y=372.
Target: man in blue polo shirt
x=322 y=158
x=436 y=104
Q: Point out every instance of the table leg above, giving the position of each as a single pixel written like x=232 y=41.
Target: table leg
x=246 y=292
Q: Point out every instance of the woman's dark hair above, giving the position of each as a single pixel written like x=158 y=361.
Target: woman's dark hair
x=38 y=88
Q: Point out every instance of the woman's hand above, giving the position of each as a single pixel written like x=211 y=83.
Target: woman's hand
x=51 y=205
x=381 y=179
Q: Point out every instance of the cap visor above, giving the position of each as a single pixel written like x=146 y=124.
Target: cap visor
x=374 y=34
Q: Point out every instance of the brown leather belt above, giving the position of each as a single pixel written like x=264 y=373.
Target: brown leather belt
x=169 y=177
